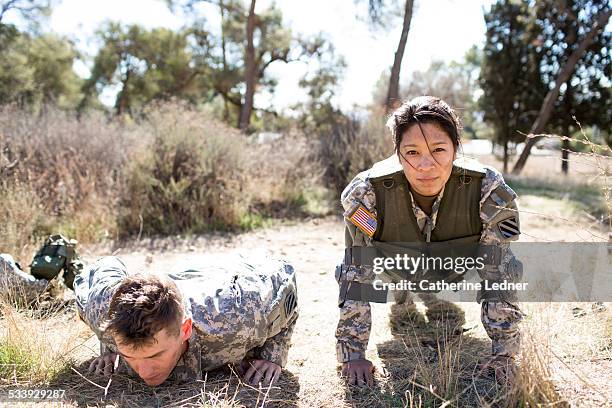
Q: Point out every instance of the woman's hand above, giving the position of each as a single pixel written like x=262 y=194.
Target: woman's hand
x=104 y=364
x=258 y=370
x=359 y=372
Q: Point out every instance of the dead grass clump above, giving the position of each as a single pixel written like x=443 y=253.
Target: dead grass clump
x=34 y=351
x=350 y=147
x=197 y=174
x=190 y=177
x=21 y=213
x=63 y=171
x=286 y=176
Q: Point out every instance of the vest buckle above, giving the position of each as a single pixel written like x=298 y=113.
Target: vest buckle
x=464 y=179
x=388 y=183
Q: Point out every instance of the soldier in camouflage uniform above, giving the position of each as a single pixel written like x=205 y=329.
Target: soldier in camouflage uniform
x=426 y=136
x=240 y=311
x=14 y=283
x=177 y=326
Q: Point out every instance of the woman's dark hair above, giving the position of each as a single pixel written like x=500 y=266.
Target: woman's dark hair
x=421 y=110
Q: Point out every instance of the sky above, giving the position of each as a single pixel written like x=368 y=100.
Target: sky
x=440 y=29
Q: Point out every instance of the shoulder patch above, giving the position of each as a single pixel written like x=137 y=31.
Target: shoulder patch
x=509 y=228
x=364 y=220
x=497 y=200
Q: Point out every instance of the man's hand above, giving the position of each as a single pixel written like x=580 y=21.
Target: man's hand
x=359 y=372
x=104 y=364
x=258 y=370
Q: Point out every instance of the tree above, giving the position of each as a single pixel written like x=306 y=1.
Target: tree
x=510 y=75
x=31 y=10
x=318 y=114
x=577 y=26
x=37 y=70
x=146 y=65
x=376 y=10
x=249 y=44
x=455 y=82
x=249 y=71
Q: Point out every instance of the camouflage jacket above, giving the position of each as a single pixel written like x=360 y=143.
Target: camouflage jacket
x=500 y=319
x=233 y=306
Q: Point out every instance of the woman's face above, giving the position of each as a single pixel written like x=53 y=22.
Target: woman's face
x=427 y=159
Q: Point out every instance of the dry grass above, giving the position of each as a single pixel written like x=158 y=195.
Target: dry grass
x=424 y=361
x=35 y=347
x=173 y=170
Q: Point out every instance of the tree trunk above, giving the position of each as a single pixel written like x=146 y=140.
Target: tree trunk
x=506 y=155
x=393 y=92
x=224 y=56
x=249 y=71
x=565 y=146
x=565 y=143
x=552 y=95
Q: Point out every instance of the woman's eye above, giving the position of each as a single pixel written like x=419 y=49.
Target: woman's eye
x=411 y=152
x=439 y=149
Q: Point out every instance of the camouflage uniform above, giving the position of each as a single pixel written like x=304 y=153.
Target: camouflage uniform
x=499 y=318
x=14 y=281
x=240 y=308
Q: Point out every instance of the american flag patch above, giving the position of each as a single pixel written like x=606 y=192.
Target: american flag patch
x=364 y=220
x=509 y=227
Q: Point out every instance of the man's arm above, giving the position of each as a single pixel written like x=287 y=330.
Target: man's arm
x=276 y=348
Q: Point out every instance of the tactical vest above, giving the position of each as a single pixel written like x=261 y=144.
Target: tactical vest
x=458 y=218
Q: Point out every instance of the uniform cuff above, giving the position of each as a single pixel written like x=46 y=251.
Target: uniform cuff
x=346 y=353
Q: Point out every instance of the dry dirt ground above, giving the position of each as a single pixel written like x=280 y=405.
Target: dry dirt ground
x=417 y=367
x=311 y=377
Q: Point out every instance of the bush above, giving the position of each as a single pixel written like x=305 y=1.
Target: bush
x=190 y=177
x=63 y=170
x=352 y=147
x=198 y=174
x=172 y=170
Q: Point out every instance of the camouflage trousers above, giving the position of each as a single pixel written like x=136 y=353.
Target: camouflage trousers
x=16 y=285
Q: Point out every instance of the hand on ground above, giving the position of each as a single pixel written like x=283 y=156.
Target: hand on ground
x=359 y=372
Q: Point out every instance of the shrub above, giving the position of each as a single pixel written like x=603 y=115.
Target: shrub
x=351 y=147
x=190 y=177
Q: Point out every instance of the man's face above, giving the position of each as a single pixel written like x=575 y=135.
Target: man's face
x=427 y=159
x=155 y=361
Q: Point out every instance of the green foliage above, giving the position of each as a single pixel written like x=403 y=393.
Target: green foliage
x=37 y=70
x=586 y=96
x=510 y=77
x=528 y=43
x=146 y=65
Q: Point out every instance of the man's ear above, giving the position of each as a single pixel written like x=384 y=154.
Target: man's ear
x=186 y=329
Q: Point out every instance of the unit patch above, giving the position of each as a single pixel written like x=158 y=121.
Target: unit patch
x=509 y=227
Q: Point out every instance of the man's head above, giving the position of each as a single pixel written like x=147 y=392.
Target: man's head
x=147 y=322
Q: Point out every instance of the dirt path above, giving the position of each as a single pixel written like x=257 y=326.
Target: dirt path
x=314 y=247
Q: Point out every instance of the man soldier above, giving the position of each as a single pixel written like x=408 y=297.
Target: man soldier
x=176 y=326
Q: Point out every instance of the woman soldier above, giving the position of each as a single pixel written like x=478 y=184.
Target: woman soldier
x=420 y=195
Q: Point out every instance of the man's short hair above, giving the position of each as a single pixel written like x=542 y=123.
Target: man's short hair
x=142 y=305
